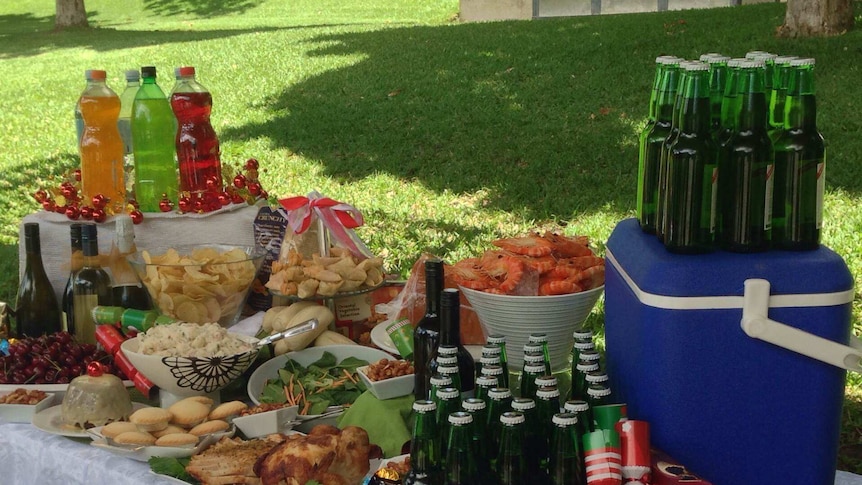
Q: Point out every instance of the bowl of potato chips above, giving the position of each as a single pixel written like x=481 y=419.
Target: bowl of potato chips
x=199 y=283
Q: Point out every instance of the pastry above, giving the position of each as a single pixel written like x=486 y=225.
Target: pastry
x=95 y=399
x=151 y=419
x=117 y=427
x=208 y=427
x=177 y=439
x=224 y=410
x=171 y=429
x=140 y=438
x=188 y=413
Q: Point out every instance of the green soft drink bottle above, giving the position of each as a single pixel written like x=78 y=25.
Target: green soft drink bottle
x=800 y=165
x=746 y=169
x=154 y=128
x=689 y=222
x=124 y=123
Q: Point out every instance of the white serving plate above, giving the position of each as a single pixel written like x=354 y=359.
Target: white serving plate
x=382 y=339
x=144 y=453
x=23 y=413
x=261 y=424
x=50 y=420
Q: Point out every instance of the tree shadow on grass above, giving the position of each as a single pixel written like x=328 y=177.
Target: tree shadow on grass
x=24 y=23
x=199 y=8
x=9 y=272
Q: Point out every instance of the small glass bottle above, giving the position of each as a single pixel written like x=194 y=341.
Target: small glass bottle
x=500 y=401
x=494 y=371
x=581 y=409
x=478 y=409
x=484 y=384
x=531 y=371
x=542 y=339
x=127 y=290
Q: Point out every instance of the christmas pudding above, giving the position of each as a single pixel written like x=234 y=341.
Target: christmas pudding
x=95 y=399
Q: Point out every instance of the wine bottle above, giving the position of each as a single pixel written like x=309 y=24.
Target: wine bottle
x=450 y=334
x=127 y=291
x=76 y=261
x=37 y=310
x=427 y=332
x=92 y=286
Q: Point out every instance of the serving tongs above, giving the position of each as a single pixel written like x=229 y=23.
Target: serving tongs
x=303 y=327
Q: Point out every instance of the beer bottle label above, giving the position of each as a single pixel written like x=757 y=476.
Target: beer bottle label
x=713 y=200
x=767 y=208
x=821 y=188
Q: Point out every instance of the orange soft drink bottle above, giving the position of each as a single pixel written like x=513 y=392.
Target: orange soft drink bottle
x=101 y=146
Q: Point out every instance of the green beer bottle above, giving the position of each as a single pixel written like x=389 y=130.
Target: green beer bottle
x=448 y=401
x=690 y=194
x=581 y=409
x=461 y=467
x=664 y=153
x=500 y=341
x=717 y=82
x=800 y=165
x=542 y=340
x=478 y=409
x=452 y=372
x=484 y=384
x=650 y=141
x=780 y=80
x=533 y=434
x=495 y=371
x=769 y=66
x=438 y=382
x=729 y=105
x=424 y=449
x=531 y=371
x=588 y=361
x=511 y=466
x=500 y=401
x=746 y=169
x=565 y=466
x=486 y=360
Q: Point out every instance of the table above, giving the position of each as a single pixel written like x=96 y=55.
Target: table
x=29 y=455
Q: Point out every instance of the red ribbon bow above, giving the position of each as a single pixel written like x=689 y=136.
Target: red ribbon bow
x=300 y=210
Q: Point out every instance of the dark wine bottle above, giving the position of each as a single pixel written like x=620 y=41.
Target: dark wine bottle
x=92 y=286
x=127 y=291
x=76 y=261
x=450 y=334
x=427 y=333
x=37 y=310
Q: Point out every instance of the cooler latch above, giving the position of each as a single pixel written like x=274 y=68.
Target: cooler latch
x=756 y=324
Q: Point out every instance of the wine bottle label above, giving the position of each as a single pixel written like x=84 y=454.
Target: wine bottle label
x=821 y=188
x=86 y=326
x=767 y=208
x=64 y=322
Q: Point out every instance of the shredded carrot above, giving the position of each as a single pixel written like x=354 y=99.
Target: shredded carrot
x=306 y=407
x=287 y=395
x=349 y=375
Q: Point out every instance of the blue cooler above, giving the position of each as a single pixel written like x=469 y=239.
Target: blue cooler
x=721 y=398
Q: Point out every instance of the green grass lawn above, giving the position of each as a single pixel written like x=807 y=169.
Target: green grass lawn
x=446 y=135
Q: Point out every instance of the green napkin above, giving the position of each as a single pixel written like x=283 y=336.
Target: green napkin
x=386 y=422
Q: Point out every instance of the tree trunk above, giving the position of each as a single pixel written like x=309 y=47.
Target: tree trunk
x=70 y=13
x=806 y=18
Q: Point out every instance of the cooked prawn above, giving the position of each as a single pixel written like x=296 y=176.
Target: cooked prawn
x=469 y=274
x=568 y=247
x=591 y=277
x=532 y=245
x=557 y=286
x=508 y=270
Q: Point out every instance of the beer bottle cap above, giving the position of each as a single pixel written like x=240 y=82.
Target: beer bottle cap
x=708 y=56
x=538 y=338
x=564 y=419
x=460 y=418
x=492 y=370
x=765 y=56
x=485 y=381
x=447 y=393
x=784 y=60
x=581 y=346
x=594 y=377
x=473 y=404
x=598 y=391
x=534 y=358
x=667 y=60
x=587 y=366
x=533 y=348
x=445 y=360
x=576 y=406
x=446 y=350
x=490 y=349
x=448 y=370
x=534 y=368
x=496 y=339
x=489 y=360
x=753 y=54
x=546 y=381
x=499 y=393
x=583 y=334
x=718 y=59
x=424 y=406
x=439 y=380
x=735 y=62
x=523 y=404
x=752 y=64
x=696 y=66
x=512 y=418
x=546 y=393
x=590 y=356
x=807 y=61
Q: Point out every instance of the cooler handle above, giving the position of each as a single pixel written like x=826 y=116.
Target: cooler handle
x=756 y=324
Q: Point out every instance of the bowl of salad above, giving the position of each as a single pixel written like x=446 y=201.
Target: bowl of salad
x=320 y=381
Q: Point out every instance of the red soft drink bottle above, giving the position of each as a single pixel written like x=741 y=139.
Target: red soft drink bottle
x=197 y=144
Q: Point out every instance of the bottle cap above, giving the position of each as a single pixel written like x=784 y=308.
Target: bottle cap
x=735 y=62
x=717 y=59
x=564 y=419
x=534 y=369
x=75 y=234
x=538 y=338
x=492 y=370
x=473 y=404
x=581 y=346
x=706 y=57
x=88 y=74
x=576 y=406
x=806 y=61
x=489 y=360
x=523 y=404
x=439 y=380
x=752 y=64
x=187 y=71
x=496 y=339
x=447 y=393
x=424 y=406
x=447 y=370
x=447 y=360
x=88 y=233
x=753 y=54
x=587 y=367
x=499 y=393
x=784 y=60
x=545 y=393
x=534 y=358
x=460 y=418
x=512 y=418
x=765 y=57
x=696 y=66
x=590 y=356
x=485 y=380
x=490 y=349
x=98 y=75
x=433 y=266
x=148 y=71
x=598 y=391
x=667 y=60
x=133 y=75
x=450 y=298
x=594 y=377
x=446 y=350
x=533 y=348
x=31 y=230
x=546 y=381
x=583 y=334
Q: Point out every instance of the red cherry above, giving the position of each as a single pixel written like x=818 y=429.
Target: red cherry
x=137 y=216
x=72 y=212
x=86 y=212
x=40 y=196
x=254 y=188
x=77 y=174
x=165 y=205
x=251 y=164
x=223 y=199
x=95 y=369
x=48 y=205
x=99 y=201
x=237 y=198
x=99 y=215
x=212 y=183
x=60 y=209
x=69 y=191
x=239 y=181
x=185 y=204
x=198 y=205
